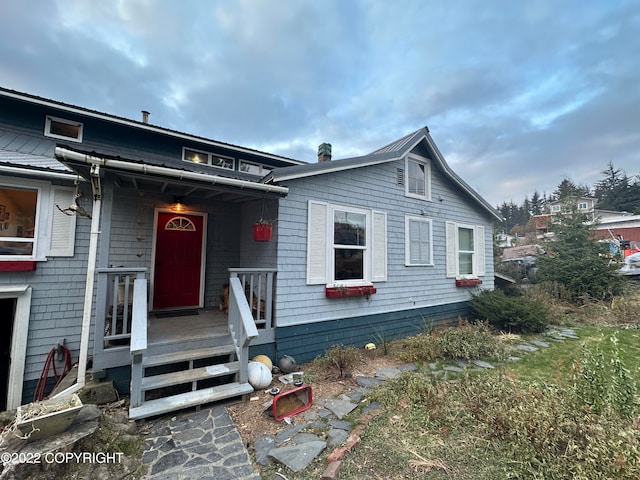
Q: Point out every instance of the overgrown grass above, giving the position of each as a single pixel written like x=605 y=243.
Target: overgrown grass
x=466 y=341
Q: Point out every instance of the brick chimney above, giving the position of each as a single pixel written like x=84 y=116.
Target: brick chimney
x=324 y=152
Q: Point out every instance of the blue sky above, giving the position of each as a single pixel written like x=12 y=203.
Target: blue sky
x=517 y=94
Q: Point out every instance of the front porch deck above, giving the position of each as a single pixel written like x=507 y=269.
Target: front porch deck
x=184 y=328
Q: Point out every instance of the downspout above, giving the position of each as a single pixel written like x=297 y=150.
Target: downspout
x=88 y=293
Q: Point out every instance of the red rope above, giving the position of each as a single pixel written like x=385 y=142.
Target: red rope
x=49 y=362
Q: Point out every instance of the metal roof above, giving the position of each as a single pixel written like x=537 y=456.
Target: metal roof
x=30 y=164
x=391 y=152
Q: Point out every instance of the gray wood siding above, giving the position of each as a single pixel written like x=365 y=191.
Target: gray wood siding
x=57 y=299
x=132 y=237
x=406 y=287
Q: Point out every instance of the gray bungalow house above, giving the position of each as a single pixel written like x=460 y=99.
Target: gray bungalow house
x=192 y=255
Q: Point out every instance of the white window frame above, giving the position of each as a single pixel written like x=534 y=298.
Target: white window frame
x=48 y=133
x=54 y=234
x=210 y=157
x=583 y=206
x=555 y=208
x=321 y=247
x=478 y=260
x=365 y=249
x=427 y=173
x=416 y=219
x=262 y=169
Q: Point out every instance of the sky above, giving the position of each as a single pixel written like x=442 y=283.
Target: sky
x=517 y=95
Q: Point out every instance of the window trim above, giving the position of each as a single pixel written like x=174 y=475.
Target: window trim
x=427 y=172
x=408 y=219
x=583 y=206
x=320 y=246
x=48 y=133
x=210 y=156
x=260 y=166
x=478 y=263
x=366 y=248
x=37 y=234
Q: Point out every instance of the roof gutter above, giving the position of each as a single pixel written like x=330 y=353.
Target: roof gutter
x=38 y=173
x=72 y=155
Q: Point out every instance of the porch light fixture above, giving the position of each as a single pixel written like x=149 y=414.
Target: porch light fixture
x=178 y=204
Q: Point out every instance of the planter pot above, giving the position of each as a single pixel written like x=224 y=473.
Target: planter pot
x=262 y=232
x=468 y=282
x=47 y=418
x=338 y=292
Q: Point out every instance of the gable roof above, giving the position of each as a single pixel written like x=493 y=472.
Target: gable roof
x=391 y=152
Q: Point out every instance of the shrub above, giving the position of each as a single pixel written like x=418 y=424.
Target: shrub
x=341 y=358
x=512 y=314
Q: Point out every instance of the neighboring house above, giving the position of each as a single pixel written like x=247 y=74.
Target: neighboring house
x=379 y=245
x=608 y=223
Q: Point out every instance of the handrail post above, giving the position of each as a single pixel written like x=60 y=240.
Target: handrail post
x=138 y=339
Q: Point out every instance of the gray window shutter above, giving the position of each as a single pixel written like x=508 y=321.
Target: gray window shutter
x=452 y=249
x=379 y=247
x=63 y=227
x=480 y=253
x=317 y=246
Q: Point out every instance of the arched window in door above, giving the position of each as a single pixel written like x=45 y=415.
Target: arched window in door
x=180 y=223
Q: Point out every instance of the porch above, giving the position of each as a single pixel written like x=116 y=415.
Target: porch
x=181 y=358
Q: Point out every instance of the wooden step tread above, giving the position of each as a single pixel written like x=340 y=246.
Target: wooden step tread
x=186 y=376
x=189 y=399
x=185 y=356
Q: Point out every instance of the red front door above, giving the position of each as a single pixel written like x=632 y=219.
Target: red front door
x=178 y=261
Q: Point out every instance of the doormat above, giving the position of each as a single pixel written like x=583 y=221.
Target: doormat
x=176 y=313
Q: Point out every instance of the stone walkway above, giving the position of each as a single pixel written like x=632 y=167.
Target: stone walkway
x=202 y=445
x=206 y=445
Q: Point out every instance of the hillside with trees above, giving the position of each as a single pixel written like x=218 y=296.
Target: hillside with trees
x=616 y=191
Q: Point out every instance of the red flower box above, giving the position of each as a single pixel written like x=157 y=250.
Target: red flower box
x=262 y=232
x=355 y=291
x=17 y=266
x=468 y=282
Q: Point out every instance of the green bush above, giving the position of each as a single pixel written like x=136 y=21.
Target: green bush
x=517 y=314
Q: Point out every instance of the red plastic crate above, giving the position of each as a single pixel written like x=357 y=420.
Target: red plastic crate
x=291 y=402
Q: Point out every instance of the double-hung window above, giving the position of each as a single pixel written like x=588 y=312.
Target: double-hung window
x=418 y=241
x=346 y=245
x=418 y=183
x=465 y=250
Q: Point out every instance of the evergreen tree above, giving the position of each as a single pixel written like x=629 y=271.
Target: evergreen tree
x=574 y=259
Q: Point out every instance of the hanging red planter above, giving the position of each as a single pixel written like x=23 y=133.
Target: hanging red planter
x=262 y=232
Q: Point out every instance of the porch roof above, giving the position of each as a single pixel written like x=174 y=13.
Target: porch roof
x=137 y=175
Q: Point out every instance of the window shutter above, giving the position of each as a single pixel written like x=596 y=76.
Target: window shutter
x=63 y=227
x=480 y=253
x=452 y=249
x=317 y=238
x=379 y=247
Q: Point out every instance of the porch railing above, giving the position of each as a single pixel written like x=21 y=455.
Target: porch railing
x=114 y=312
x=257 y=285
x=138 y=345
x=241 y=326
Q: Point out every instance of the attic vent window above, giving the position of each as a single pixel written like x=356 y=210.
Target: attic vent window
x=63 y=129
x=400 y=176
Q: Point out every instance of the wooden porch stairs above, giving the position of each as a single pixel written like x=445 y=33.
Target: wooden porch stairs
x=174 y=374
x=182 y=375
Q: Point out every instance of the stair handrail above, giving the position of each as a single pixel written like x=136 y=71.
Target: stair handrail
x=138 y=344
x=241 y=326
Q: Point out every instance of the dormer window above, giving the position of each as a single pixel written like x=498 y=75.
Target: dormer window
x=207 y=158
x=63 y=129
